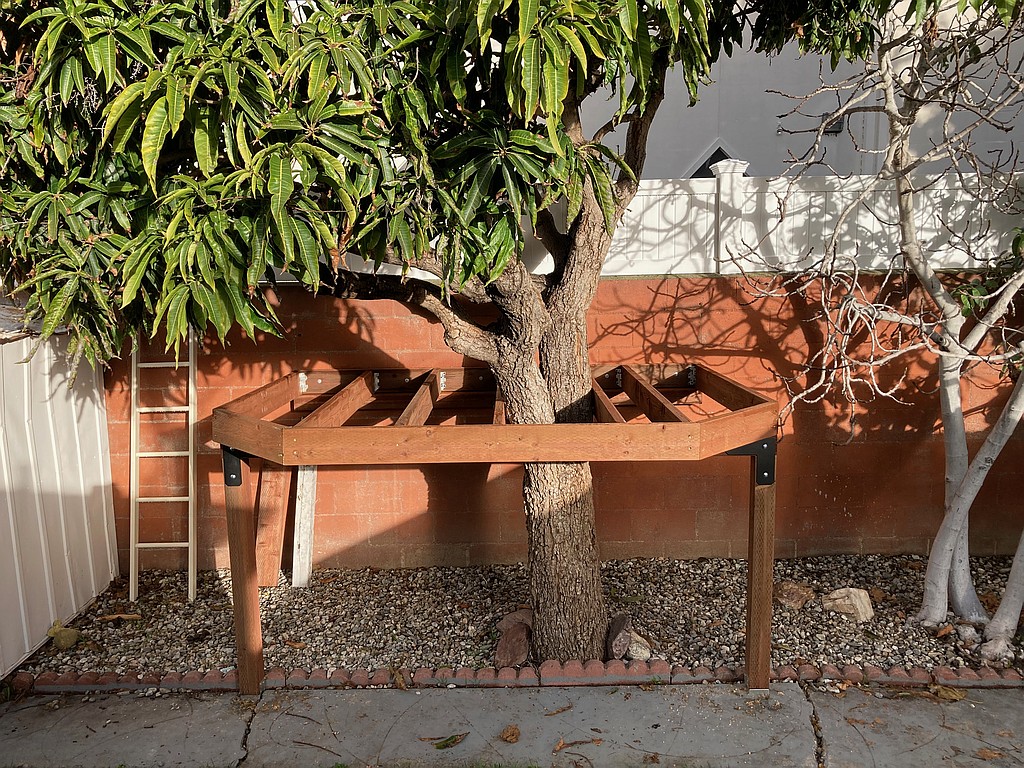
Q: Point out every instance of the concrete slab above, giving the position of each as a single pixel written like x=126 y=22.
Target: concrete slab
x=128 y=730
x=912 y=728
x=685 y=725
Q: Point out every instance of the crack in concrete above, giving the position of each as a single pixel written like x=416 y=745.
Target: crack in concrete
x=820 y=752
x=248 y=729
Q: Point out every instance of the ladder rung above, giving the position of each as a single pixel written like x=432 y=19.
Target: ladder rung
x=162 y=498
x=163 y=409
x=161 y=454
x=163 y=364
x=162 y=544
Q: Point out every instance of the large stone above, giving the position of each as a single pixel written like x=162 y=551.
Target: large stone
x=792 y=595
x=523 y=615
x=620 y=635
x=513 y=647
x=639 y=649
x=854 y=602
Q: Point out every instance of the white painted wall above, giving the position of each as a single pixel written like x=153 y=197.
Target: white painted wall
x=57 y=546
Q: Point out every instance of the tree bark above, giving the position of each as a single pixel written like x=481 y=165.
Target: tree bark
x=1001 y=629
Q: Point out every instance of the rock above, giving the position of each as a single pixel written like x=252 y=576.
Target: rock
x=854 y=602
x=620 y=635
x=792 y=595
x=639 y=649
x=513 y=646
x=968 y=635
x=524 y=615
x=63 y=637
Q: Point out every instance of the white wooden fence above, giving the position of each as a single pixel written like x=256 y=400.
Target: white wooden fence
x=57 y=546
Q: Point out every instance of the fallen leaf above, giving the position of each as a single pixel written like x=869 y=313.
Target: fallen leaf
x=559 y=711
x=1004 y=734
x=121 y=616
x=947 y=693
x=296 y=644
x=988 y=754
x=945 y=630
x=717 y=623
x=651 y=758
x=451 y=741
x=510 y=735
x=647 y=688
x=878 y=594
x=562 y=744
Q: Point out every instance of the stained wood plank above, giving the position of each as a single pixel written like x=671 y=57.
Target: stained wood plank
x=725 y=391
x=511 y=443
x=760 y=562
x=245 y=432
x=267 y=398
x=244 y=588
x=725 y=431
x=604 y=408
x=499 y=416
x=648 y=399
x=421 y=404
x=271 y=516
x=342 y=405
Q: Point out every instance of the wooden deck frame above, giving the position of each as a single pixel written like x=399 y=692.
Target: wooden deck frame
x=321 y=437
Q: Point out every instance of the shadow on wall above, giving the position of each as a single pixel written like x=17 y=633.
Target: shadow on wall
x=879 y=492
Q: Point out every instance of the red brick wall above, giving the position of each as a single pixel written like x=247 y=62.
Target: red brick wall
x=880 y=491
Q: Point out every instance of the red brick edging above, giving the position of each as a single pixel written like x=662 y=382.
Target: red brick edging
x=549 y=673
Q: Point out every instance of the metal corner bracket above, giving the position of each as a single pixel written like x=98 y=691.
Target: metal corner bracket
x=763 y=452
x=232 y=465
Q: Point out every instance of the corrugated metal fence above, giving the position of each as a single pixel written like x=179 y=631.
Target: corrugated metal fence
x=57 y=547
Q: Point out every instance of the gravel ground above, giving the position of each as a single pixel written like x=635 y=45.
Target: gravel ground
x=692 y=611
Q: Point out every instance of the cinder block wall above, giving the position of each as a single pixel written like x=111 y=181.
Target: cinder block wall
x=879 y=491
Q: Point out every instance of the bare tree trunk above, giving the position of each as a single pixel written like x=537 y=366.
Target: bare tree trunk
x=1001 y=629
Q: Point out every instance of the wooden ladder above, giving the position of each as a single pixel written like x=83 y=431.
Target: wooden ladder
x=138 y=501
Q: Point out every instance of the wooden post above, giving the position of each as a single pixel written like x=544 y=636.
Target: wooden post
x=238 y=502
x=271 y=517
x=760 y=561
x=305 y=512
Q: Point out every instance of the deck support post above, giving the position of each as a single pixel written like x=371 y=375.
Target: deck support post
x=238 y=502
x=760 y=561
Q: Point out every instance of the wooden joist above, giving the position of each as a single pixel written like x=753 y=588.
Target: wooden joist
x=336 y=411
x=647 y=398
x=422 y=403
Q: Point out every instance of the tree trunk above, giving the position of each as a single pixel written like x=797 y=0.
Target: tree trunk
x=570 y=619
x=1001 y=629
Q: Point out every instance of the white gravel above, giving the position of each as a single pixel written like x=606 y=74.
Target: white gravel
x=692 y=611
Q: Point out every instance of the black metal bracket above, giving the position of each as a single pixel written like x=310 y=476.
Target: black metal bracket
x=763 y=452
x=232 y=465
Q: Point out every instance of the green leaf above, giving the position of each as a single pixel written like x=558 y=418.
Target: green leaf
x=629 y=17
x=317 y=75
x=175 y=103
x=528 y=11
x=107 y=47
x=157 y=126
x=205 y=137
x=117 y=108
x=57 y=311
x=530 y=77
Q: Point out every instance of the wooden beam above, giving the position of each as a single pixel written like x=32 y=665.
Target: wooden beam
x=727 y=392
x=247 y=432
x=244 y=589
x=499 y=407
x=342 y=405
x=647 y=398
x=421 y=404
x=487 y=443
x=604 y=408
x=271 y=516
x=267 y=398
x=305 y=513
x=760 y=562
x=725 y=431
